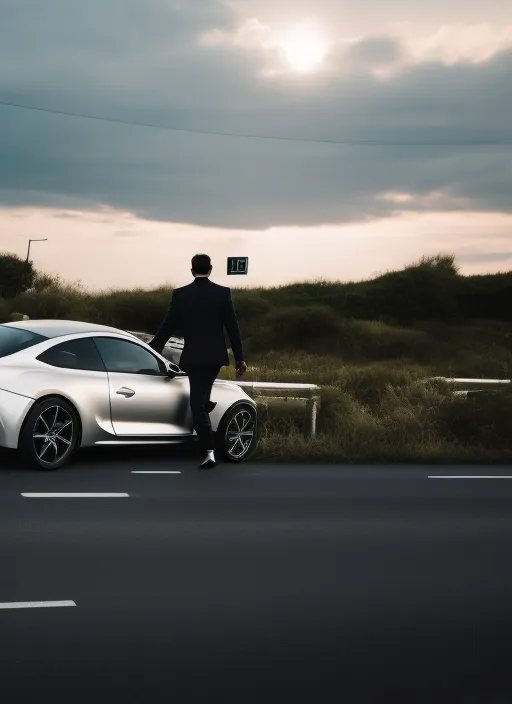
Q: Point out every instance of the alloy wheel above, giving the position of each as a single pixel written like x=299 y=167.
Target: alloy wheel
x=52 y=435
x=240 y=433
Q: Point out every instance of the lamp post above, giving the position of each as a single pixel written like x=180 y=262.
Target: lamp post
x=29 y=243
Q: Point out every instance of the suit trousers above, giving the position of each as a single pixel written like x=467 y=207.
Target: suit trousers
x=201 y=378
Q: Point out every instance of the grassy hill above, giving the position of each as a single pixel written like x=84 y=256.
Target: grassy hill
x=370 y=344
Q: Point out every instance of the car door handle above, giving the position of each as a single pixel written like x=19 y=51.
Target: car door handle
x=126 y=392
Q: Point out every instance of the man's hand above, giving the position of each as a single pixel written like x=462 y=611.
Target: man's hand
x=241 y=368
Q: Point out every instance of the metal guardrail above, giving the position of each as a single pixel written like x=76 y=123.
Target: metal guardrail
x=264 y=385
x=312 y=400
x=470 y=381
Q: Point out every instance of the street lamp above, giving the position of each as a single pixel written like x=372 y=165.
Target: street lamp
x=29 y=243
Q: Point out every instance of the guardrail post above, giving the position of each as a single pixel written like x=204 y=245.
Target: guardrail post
x=312 y=407
x=312 y=401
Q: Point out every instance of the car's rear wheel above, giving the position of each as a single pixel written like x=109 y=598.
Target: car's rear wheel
x=49 y=435
x=237 y=434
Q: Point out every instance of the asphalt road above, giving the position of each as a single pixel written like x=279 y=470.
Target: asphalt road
x=257 y=583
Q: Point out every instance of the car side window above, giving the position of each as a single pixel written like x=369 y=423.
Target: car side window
x=127 y=357
x=74 y=354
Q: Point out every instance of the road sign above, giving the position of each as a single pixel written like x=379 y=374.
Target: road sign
x=238 y=265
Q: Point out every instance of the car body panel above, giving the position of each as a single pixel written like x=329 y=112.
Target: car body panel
x=13 y=411
x=61 y=328
x=156 y=405
x=158 y=411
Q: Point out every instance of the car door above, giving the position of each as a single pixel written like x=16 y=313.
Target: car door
x=75 y=366
x=144 y=401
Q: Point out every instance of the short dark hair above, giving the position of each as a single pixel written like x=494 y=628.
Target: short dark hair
x=201 y=264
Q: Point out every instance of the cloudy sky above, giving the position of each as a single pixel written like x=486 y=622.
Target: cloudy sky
x=321 y=138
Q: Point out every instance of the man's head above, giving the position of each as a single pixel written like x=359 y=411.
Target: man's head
x=201 y=265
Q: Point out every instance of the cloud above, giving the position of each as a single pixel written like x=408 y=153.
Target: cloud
x=251 y=34
x=150 y=63
x=451 y=44
x=364 y=45
x=375 y=51
x=448 y=45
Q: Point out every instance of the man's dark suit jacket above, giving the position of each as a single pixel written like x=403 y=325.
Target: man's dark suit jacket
x=200 y=312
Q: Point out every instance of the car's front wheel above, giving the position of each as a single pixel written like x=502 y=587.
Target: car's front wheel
x=49 y=435
x=237 y=434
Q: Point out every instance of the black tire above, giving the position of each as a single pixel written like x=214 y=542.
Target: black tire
x=50 y=434
x=240 y=417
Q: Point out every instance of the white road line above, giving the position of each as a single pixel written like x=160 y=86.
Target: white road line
x=471 y=476
x=34 y=604
x=82 y=495
x=152 y=471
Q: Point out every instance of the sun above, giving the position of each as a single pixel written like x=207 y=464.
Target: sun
x=304 y=49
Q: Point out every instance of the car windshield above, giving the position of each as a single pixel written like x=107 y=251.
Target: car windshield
x=14 y=340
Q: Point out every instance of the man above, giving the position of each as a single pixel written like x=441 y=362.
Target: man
x=201 y=311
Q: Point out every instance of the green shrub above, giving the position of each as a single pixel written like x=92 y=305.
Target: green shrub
x=251 y=308
x=4 y=311
x=138 y=310
x=299 y=327
x=482 y=420
x=367 y=383
x=283 y=418
x=60 y=304
x=486 y=296
x=16 y=317
x=373 y=340
x=426 y=290
x=320 y=293
x=45 y=282
x=16 y=275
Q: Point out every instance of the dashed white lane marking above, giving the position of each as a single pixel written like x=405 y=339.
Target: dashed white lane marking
x=153 y=471
x=471 y=476
x=34 y=604
x=77 y=495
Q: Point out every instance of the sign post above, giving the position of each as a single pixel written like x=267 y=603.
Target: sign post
x=238 y=265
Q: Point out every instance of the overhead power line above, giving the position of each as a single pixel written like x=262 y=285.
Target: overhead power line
x=241 y=135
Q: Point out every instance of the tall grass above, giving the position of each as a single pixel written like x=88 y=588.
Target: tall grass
x=414 y=422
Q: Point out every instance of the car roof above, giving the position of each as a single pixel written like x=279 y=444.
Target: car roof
x=58 y=328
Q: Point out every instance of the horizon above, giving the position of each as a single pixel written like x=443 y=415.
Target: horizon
x=299 y=282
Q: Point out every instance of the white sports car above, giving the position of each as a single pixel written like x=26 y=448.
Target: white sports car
x=66 y=384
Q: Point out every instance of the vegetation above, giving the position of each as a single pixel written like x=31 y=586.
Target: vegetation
x=16 y=275
x=386 y=412
x=371 y=345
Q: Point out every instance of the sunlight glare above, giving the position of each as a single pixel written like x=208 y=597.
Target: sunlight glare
x=304 y=49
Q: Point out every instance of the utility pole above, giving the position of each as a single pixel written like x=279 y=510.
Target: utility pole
x=29 y=243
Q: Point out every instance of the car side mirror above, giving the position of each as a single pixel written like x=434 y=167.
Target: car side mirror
x=172 y=370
